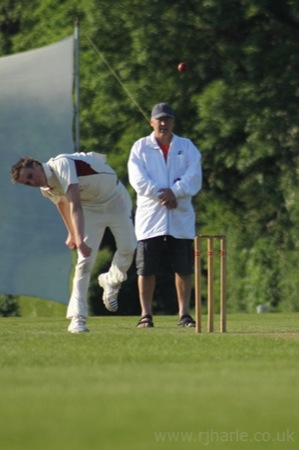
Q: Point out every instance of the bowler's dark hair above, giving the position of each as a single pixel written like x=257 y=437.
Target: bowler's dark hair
x=23 y=163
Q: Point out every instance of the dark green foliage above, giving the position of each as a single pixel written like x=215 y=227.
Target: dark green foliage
x=238 y=103
x=8 y=306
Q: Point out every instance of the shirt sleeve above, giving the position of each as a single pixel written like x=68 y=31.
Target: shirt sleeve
x=190 y=183
x=139 y=177
x=65 y=171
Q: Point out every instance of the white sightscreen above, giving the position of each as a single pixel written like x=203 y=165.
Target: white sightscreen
x=36 y=119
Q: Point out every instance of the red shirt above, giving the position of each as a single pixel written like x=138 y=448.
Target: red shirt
x=164 y=148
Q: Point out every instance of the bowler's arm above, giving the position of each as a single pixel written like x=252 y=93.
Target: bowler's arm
x=71 y=211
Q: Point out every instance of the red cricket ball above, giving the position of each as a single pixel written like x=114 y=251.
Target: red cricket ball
x=183 y=67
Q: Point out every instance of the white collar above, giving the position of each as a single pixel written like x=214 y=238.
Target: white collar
x=48 y=171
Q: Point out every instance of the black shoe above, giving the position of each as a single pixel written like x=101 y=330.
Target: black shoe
x=186 y=321
x=145 y=322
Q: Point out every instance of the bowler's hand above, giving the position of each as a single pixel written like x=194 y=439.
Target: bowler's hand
x=167 y=198
x=84 y=249
x=70 y=242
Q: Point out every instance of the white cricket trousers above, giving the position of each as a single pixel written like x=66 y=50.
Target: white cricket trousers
x=117 y=215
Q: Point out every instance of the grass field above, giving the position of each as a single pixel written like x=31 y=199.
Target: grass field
x=165 y=388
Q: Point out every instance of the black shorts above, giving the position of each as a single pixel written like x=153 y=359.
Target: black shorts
x=180 y=252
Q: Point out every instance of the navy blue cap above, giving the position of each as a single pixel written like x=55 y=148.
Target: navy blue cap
x=162 y=110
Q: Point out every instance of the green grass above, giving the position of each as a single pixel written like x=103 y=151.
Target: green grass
x=165 y=388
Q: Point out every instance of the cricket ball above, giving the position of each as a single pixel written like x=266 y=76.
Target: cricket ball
x=183 y=67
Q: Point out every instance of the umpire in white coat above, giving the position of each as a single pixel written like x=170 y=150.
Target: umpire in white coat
x=165 y=171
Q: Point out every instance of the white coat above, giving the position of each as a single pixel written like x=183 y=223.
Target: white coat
x=149 y=172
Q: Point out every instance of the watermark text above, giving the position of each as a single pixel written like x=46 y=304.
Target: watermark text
x=211 y=436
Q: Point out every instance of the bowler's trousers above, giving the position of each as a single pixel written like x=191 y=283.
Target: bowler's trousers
x=116 y=213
